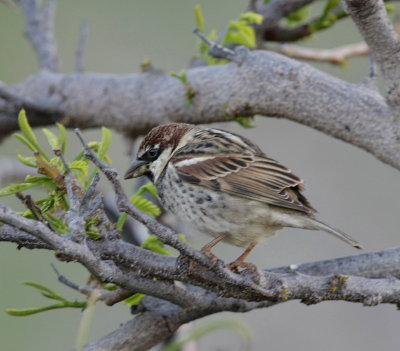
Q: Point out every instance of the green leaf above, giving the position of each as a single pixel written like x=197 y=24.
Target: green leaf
x=299 y=16
x=198 y=14
x=38 y=179
x=241 y=34
x=149 y=187
x=330 y=5
x=28 y=161
x=327 y=18
x=16 y=188
x=153 y=244
x=80 y=165
x=105 y=143
x=56 y=223
x=45 y=291
x=52 y=139
x=25 y=141
x=121 y=221
x=32 y=310
x=244 y=121
x=251 y=17
x=46 y=204
x=28 y=133
x=63 y=137
x=182 y=76
x=145 y=205
x=134 y=299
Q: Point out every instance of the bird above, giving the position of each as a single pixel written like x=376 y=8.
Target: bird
x=225 y=186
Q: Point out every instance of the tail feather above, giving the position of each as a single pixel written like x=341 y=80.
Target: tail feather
x=339 y=234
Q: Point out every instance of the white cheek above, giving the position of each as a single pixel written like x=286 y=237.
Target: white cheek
x=158 y=165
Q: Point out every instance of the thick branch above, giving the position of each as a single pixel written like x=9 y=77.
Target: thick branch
x=266 y=83
x=371 y=19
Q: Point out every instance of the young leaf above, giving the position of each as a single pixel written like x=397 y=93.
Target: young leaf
x=251 y=17
x=134 y=299
x=28 y=161
x=121 y=221
x=145 y=205
x=81 y=166
x=153 y=244
x=149 y=187
x=28 y=133
x=105 y=143
x=52 y=139
x=63 y=137
x=45 y=291
x=245 y=121
x=16 y=188
x=25 y=141
x=32 y=310
x=198 y=14
x=56 y=223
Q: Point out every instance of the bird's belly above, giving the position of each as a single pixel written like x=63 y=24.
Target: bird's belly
x=214 y=213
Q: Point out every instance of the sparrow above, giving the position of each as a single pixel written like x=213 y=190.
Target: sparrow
x=225 y=186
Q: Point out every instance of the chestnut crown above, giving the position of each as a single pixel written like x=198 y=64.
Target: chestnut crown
x=161 y=138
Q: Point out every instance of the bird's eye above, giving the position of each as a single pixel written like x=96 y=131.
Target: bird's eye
x=152 y=152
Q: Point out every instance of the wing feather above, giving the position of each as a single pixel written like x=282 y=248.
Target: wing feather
x=247 y=175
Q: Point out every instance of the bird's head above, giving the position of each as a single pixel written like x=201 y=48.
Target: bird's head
x=157 y=148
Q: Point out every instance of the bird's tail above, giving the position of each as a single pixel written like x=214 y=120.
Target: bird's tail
x=317 y=224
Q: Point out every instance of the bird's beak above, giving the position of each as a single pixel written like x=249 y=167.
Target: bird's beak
x=137 y=169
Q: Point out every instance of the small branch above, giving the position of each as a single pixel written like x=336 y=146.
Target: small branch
x=83 y=35
x=238 y=54
x=109 y=297
x=40 y=31
x=336 y=56
x=374 y=24
x=275 y=10
x=21 y=238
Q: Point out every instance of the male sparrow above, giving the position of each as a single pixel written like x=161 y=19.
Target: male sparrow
x=225 y=186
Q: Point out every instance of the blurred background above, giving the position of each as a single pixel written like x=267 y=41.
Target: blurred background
x=350 y=188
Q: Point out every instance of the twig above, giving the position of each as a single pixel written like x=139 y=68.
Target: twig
x=83 y=35
x=216 y=50
x=109 y=297
x=336 y=56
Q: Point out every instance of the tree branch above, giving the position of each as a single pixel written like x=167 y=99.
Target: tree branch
x=371 y=19
x=336 y=56
x=337 y=108
x=40 y=31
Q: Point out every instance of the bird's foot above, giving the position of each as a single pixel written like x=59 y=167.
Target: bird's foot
x=257 y=274
x=207 y=252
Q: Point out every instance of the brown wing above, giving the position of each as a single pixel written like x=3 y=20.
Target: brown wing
x=250 y=176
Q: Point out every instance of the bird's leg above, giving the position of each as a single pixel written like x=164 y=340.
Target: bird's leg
x=239 y=262
x=206 y=250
